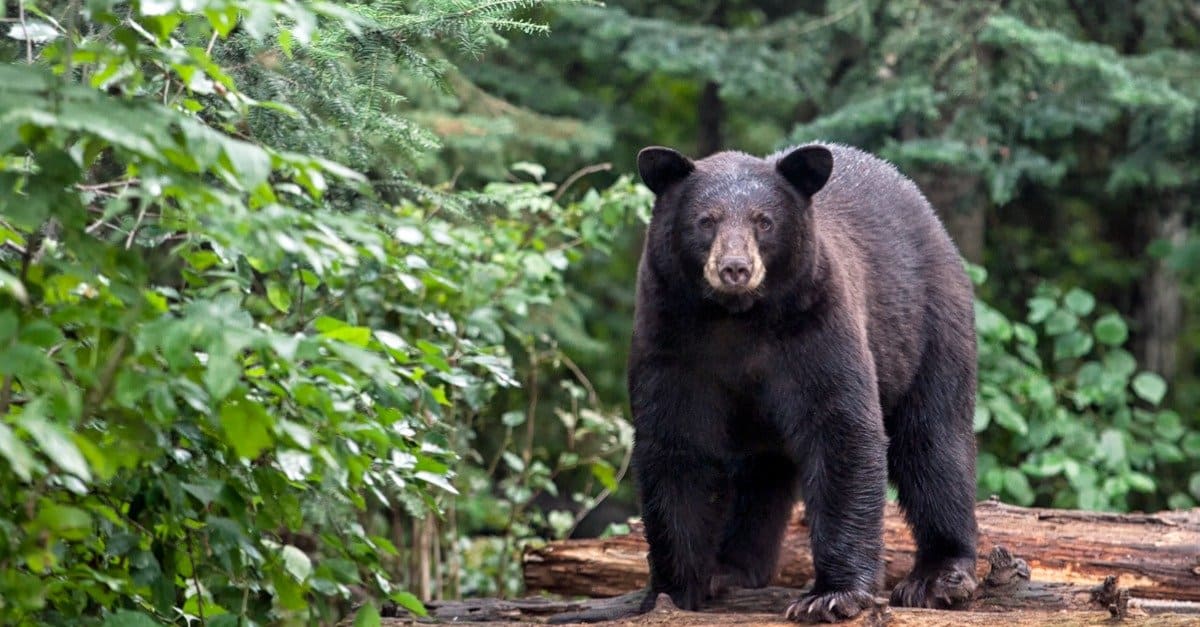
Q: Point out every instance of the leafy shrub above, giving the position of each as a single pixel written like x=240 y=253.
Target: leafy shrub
x=222 y=361
x=1064 y=416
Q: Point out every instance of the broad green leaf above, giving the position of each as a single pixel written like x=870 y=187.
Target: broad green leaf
x=247 y=427
x=296 y=562
x=56 y=444
x=1112 y=447
x=1080 y=302
x=1110 y=329
x=249 y=164
x=279 y=296
x=410 y=602
x=514 y=418
x=438 y=480
x=367 y=616
x=1150 y=387
x=605 y=474
x=221 y=375
x=64 y=521
x=1061 y=321
x=128 y=618
x=1017 y=485
x=15 y=451
x=1141 y=483
x=13 y=285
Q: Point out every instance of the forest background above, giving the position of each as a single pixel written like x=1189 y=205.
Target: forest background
x=312 y=308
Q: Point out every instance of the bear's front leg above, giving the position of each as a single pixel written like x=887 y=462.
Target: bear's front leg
x=683 y=493
x=843 y=461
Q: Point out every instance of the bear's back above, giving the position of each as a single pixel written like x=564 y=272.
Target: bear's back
x=897 y=263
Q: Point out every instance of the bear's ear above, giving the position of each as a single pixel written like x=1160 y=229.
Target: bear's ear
x=807 y=169
x=659 y=167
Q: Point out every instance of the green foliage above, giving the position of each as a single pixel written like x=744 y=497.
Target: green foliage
x=223 y=356
x=1064 y=416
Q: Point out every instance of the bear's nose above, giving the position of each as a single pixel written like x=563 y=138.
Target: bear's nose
x=735 y=271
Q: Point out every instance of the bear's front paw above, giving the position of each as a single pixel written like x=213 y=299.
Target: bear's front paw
x=728 y=577
x=946 y=586
x=829 y=607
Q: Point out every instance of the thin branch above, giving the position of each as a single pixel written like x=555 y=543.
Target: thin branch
x=196 y=577
x=580 y=173
x=25 y=32
x=136 y=226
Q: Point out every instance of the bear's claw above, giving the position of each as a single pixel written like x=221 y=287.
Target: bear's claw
x=829 y=607
x=948 y=586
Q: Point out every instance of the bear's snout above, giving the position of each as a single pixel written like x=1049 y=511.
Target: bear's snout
x=734 y=264
x=735 y=271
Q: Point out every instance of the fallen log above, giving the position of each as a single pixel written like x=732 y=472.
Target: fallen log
x=1006 y=588
x=1156 y=555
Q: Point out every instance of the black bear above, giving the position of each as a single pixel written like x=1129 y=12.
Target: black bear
x=803 y=323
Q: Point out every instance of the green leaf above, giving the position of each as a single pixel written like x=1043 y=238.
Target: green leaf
x=18 y=455
x=367 y=616
x=248 y=163
x=438 y=480
x=127 y=618
x=64 y=521
x=1060 y=322
x=1080 y=302
x=513 y=418
x=1110 y=329
x=1112 y=447
x=247 y=427
x=1191 y=444
x=13 y=285
x=296 y=562
x=1150 y=387
x=1017 y=485
x=1040 y=308
x=56 y=444
x=279 y=296
x=983 y=417
x=605 y=474
x=1169 y=425
x=410 y=602
x=221 y=375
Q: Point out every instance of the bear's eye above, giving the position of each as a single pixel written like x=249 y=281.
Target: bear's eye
x=765 y=223
x=707 y=222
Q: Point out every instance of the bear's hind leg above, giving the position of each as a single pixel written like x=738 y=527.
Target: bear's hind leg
x=931 y=459
x=764 y=491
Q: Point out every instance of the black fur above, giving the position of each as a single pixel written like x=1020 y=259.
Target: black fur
x=852 y=362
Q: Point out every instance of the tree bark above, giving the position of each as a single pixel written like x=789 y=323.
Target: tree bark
x=1006 y=588
x=959 y=201
x=1160 y=316
x=1157 y=556
x=711 y=114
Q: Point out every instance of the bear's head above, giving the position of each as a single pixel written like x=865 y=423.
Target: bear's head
x=730 y=225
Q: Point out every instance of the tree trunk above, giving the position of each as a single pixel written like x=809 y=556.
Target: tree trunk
x=1157 y=556
x=1160 y=316
x=711 y=113
x=960 y=203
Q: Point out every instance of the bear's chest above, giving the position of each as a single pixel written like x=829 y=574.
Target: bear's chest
x=738 y=356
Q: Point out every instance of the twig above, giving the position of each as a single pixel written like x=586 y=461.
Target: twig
x=25 y=32
x=136 y=225
x=580 y=173
x=593 y=397
x=196 y=578
x=211 y=42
